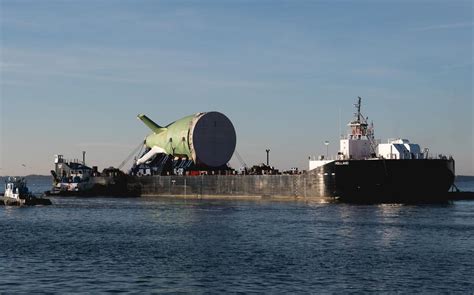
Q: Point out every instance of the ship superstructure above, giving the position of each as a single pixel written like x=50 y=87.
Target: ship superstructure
x=359 y=143
x=71 y=175
x=74 y=177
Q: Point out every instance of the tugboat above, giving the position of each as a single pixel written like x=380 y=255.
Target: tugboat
x=71 y=177
x=17 y=194
x=75 y=178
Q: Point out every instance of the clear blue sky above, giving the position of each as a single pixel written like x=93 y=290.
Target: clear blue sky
x=74 y=75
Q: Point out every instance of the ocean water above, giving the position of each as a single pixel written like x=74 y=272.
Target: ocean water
x=147 y=245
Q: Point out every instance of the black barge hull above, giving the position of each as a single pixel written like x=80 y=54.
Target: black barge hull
x=364 y=181
x=407 y=181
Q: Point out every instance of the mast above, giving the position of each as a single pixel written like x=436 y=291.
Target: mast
x=360 y=127
x=357 y=105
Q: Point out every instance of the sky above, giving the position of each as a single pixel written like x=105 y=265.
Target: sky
x=74 y=75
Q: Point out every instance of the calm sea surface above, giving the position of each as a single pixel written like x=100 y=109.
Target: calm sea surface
x=148 y=245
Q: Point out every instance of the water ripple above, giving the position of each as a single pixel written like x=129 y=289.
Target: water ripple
x=155 y=245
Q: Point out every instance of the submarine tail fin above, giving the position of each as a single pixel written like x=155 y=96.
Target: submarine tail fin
x=150 y=124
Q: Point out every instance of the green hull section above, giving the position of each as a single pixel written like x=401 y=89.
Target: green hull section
x=206 y=138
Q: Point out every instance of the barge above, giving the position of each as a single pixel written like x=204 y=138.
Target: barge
x=189 y=157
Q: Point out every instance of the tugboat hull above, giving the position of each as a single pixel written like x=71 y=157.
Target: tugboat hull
x=28 y=201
